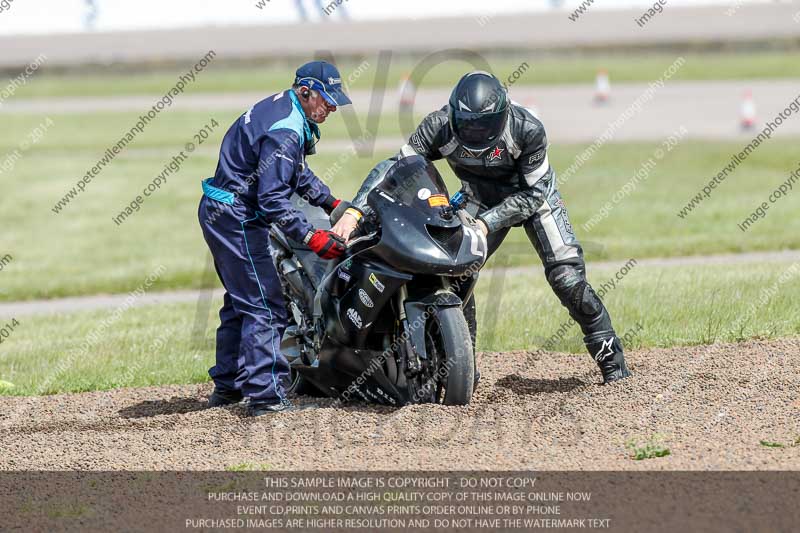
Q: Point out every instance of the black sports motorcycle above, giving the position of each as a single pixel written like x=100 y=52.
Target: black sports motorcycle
x=385 y=324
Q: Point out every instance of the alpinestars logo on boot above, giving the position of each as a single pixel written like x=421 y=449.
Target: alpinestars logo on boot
x=606 y=350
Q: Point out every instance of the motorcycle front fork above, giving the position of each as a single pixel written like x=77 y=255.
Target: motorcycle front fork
x=409 y=359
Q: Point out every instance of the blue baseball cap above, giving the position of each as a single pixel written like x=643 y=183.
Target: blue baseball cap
x=323 y=77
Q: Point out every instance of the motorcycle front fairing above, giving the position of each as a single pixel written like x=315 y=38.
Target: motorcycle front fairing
x=419 y=230
x=356 y=297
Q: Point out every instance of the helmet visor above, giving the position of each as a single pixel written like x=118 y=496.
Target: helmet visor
x=478 y=129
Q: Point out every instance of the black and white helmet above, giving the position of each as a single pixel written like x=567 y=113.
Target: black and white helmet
x=478 y=110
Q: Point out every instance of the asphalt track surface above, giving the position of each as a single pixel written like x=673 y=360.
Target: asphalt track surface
x=635 y=112
x=711 y=406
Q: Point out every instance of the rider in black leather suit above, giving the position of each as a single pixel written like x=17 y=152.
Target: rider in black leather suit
x=498 y=150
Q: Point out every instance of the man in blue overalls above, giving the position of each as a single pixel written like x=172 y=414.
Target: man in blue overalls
x=261 y=164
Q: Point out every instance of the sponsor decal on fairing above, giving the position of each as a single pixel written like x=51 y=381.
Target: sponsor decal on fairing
x=376 y=283
x=365 y=299
x=355 y=318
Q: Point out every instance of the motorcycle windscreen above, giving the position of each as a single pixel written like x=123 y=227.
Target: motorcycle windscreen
x=415 y=182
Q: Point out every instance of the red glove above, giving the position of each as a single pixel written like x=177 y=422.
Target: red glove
x=330 y=204
x=325 y=244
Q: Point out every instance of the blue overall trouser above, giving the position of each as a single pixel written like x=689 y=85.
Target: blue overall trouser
x=253 y=316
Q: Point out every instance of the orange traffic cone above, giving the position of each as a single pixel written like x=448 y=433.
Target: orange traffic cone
x=748 y=111
x=602 y=91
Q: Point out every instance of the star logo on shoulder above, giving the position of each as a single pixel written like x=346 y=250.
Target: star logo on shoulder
x=496 y=154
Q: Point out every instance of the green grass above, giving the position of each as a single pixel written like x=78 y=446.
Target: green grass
x=68 y=510
x=773 y=444
x=249 y=467
x=543 y=69
x=651 y=306
x=650 y=449
x=81 y=251
x=151 y=345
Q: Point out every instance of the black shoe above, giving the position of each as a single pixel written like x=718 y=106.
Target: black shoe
x=263 y=408
x=223 y=397
x=614 y=368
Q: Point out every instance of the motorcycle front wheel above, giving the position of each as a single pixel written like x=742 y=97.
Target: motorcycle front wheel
x=451 y=371
x=301 y=386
